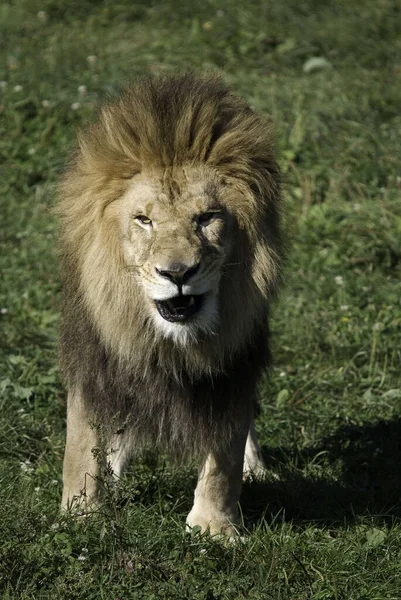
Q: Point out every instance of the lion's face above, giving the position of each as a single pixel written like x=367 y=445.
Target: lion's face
x=176 y=237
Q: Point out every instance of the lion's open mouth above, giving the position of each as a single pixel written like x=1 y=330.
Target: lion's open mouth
x=180 y=308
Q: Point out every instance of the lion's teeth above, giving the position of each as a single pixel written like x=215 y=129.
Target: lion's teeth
x=191 y=301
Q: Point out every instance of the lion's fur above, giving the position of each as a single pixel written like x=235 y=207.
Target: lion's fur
x=188 y=398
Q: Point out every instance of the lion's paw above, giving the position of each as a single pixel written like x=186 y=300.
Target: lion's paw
x=220 y=525
x=254 y=473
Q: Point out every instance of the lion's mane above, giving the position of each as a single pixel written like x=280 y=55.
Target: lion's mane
x=186 y=398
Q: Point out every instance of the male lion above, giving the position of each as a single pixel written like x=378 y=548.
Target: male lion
x=170 y=246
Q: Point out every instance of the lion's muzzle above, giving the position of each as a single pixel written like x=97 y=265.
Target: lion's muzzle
x=184 y=306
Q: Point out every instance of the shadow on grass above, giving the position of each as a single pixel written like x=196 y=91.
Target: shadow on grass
x=368 y=460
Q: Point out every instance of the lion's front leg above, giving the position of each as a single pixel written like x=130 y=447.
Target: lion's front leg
x=217 y=492
x=254 y=466
x=80 y=466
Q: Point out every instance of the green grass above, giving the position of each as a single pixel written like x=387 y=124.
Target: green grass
x=326 y=522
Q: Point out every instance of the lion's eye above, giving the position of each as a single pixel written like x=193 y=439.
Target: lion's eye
x=206 y=217
x=143 y=220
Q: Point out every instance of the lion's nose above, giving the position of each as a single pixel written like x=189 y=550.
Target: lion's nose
x=178 y=273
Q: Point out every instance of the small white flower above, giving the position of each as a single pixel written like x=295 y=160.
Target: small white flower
x=42 y=16
x=54 y=482
x=45 y=103
x=26 y=467
x=378 y=326
x=129 y=566
x=81 y=558
x=3 y=311
x=82 y=90
x=3 y=85
x=339 y=280
x=18 y=88
x=31 y=151
x=356 y=206
x=37 y=489
x=75 y=105
x=344 y=307
x=282 y=374
x=91 y=59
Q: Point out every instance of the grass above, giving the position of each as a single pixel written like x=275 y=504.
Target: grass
x=326 y=522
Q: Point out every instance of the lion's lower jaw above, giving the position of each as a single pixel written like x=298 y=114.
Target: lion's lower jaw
x=189 y=332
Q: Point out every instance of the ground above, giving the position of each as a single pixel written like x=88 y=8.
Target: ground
x=326 y=522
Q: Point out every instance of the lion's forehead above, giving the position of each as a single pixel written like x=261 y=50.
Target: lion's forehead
x=165 y=196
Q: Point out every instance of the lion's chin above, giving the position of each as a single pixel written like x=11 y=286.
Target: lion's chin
x=180 y=308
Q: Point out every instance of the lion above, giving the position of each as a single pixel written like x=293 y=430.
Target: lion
x=171 y=247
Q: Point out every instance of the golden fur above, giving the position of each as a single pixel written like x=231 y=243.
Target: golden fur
x=181 y=148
